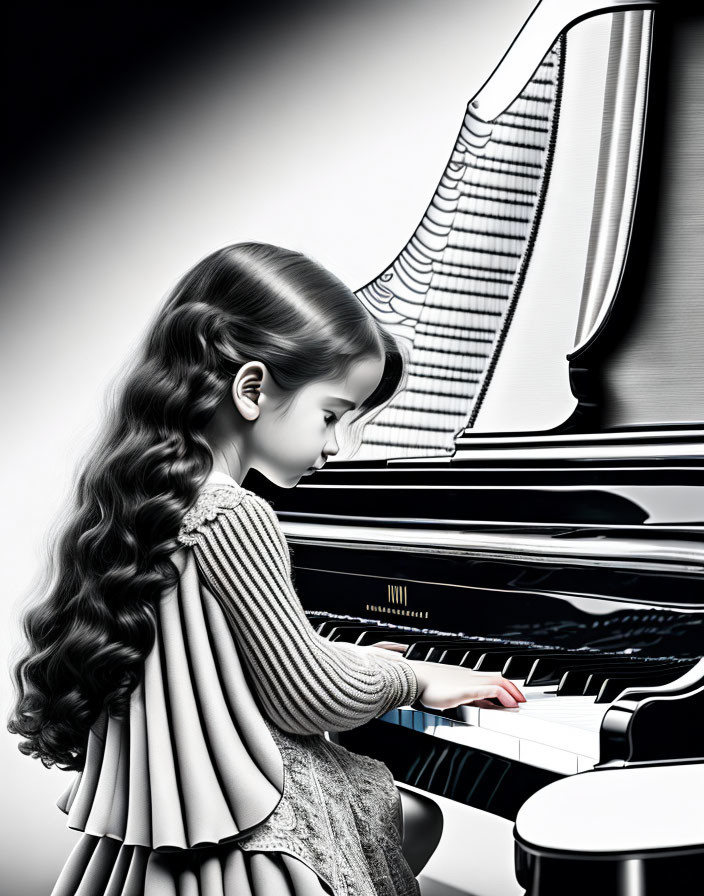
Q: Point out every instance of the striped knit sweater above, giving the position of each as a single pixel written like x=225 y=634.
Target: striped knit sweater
x=306 y=684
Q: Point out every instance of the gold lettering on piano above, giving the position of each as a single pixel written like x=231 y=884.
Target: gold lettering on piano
x=397 y=594
x=397 y=598
x=397 y=611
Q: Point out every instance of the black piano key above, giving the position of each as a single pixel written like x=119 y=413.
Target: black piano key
x=350 y=633
x=596 y=679
x=467 y=651
x=373 y=632
x=452 y=656
x=429 y=650
x=519 y=664
x=514 y=663
x=327 y=625
x=389 y=634
x=317 y=620
x=574 y=680
x=463 y=644
x=495 y=659
x=612 y=687
x=475 y=654
x=417 y=650
x=471 y=658
x=548 y=670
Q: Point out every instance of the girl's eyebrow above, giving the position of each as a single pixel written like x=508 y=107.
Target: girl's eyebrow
x=346 y=401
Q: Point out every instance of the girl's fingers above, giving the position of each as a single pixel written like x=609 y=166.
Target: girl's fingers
x=392 y=645
x=505 y=698
x=496 y=679
x=512 y=689
x=498 y=693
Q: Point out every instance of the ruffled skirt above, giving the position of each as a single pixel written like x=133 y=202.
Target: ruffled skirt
x=101 y=865
x=336 y=830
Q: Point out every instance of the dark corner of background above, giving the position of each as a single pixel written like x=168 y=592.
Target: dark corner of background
x=68 y=67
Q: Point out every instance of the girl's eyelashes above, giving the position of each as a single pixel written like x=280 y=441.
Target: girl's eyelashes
x=330 y=419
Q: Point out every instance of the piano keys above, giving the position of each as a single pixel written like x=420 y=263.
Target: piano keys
x=554 y=730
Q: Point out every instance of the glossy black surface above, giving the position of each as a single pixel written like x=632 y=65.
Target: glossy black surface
x=654 y=724
x=466 y=775
x=549 y=873
x=462 y=490
x=473 y=597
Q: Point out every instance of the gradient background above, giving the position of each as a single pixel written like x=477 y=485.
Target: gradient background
x=140 y=141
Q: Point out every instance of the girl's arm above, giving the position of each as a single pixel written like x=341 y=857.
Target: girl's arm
x=306 y=683
x=444 y=687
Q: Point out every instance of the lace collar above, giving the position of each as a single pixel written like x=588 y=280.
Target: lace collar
x=219 y=492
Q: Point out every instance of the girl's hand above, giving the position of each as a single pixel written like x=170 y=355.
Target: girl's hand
x=391 y=645
x=444 y=687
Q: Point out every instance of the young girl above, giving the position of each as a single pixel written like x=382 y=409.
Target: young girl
x=170 y=662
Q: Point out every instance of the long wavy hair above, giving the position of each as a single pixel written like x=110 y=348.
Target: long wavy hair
x=93 y=624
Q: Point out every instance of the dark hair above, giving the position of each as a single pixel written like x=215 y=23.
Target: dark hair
x=94 y=626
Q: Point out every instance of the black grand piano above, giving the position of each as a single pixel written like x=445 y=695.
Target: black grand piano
x=532 y=499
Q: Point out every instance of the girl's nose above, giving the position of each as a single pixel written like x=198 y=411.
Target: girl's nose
x=331 y=447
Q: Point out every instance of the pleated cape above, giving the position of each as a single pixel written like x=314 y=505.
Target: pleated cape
x=193 y=764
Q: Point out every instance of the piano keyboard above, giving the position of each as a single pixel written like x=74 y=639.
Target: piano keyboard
x=567 y=692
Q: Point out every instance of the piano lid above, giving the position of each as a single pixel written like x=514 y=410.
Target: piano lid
x=515 y=262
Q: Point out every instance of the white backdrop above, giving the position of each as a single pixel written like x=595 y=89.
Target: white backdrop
x=328 y=136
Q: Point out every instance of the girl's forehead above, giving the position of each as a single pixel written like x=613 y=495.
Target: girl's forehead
x=330 y=390
x=351 y=387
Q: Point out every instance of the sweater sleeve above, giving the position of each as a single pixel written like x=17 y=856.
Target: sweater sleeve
x=306 y=684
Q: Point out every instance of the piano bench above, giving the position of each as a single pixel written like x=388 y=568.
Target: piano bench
x=422 y=828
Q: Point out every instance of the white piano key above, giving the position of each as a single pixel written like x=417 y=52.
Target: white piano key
x=568 y=723
x=469 y=714
x=481 y=739
x=549 y=758
x=558 y=734
x=585 y=763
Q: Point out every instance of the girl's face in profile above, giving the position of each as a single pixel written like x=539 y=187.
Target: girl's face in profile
x=289 y=444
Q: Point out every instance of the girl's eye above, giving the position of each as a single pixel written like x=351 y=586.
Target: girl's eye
x=330 y=418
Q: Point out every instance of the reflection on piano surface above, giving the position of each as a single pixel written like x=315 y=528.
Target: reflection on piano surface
x=532 y=500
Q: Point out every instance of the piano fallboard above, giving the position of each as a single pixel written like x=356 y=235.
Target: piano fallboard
x=521 y=597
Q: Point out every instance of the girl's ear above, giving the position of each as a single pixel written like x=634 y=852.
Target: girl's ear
x=246 y=389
